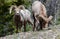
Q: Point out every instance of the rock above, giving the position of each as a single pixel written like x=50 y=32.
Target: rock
x=54 y=33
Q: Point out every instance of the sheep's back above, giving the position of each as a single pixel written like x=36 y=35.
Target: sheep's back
x=36 y=7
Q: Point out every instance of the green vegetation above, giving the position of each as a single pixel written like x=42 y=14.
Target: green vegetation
x=58 y=21
x=6 y=20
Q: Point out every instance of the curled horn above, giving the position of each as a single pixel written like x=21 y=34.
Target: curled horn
x=21 y=7
x=12 y=8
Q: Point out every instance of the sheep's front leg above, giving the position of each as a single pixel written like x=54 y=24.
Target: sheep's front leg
x=45 y=25
x=20 y=25
x=24 y=26
x=35 y=23
x=16 y=27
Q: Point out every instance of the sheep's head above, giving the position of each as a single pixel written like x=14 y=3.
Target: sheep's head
x=17 y=10
x=21 y=7
x=14 y=8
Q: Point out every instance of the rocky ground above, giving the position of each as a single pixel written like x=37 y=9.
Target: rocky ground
x=54 y=33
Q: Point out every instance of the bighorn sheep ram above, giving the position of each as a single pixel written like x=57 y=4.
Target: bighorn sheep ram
x=21 y=16
x=39 y=12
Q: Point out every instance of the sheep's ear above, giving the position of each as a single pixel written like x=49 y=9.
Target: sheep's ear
x=12 y=8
